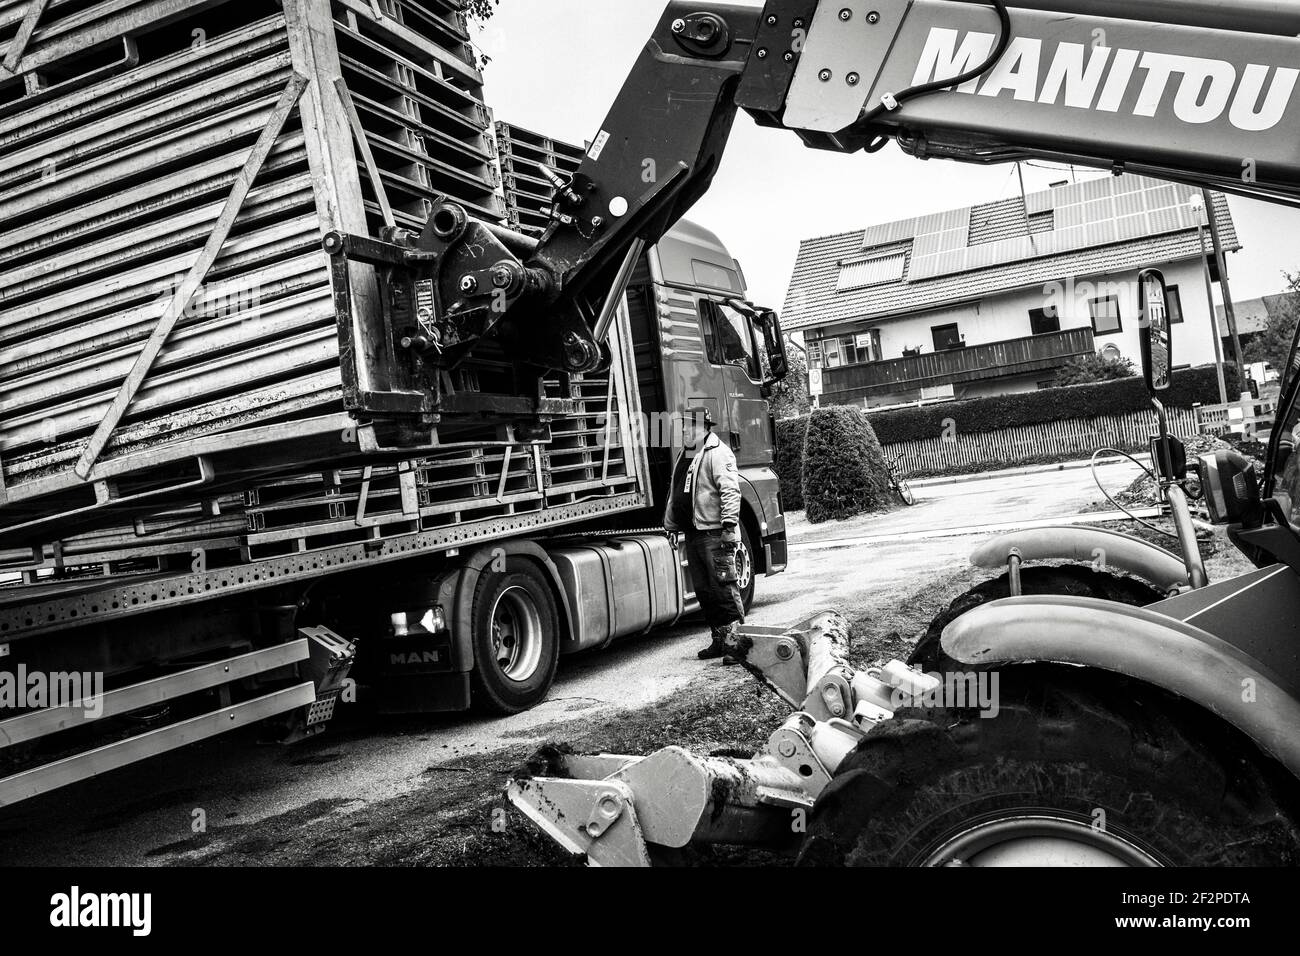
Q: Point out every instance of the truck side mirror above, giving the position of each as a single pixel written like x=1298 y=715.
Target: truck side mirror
x=1157 y=340
x=774 y=342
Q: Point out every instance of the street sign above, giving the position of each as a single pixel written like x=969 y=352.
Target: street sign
x=814 y=381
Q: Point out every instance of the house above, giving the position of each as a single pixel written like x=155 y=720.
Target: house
x=1253 y=315
x=996 y=298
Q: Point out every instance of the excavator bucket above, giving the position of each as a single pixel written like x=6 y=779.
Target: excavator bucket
x=611 y=809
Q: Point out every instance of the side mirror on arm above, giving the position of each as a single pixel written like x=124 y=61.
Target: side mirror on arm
x=774 y=341
x=1157 y=340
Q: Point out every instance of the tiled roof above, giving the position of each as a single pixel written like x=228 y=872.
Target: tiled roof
x=812 y=299
x=1253 y=314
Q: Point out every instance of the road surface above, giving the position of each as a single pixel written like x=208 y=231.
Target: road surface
x=125 y=817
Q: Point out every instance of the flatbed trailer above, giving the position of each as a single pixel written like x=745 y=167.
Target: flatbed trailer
x=221 y=486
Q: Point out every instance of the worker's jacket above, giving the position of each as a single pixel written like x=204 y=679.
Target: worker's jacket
x=715 y=486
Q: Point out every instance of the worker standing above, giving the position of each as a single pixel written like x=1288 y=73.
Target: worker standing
x=704 y=508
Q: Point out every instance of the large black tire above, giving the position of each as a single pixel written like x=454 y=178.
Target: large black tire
x=1068 y=580
x=516 y=631
x=745 y=565
x=1109 y=770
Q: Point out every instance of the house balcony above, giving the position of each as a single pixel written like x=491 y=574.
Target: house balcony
x=1035 y=353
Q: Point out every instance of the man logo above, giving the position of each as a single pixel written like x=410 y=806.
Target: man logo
x=415 y=657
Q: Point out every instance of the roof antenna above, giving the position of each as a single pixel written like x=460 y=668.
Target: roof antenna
x=1024 y=206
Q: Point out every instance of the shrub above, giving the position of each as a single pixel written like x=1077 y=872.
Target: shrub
x=1120 y=397
x=844 y=471
x=788 y=463
x=1094 y=368
x=790 y=395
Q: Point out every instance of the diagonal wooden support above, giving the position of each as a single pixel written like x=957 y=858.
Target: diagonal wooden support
x=194 y=279
x=18 y=45
x=367 y=157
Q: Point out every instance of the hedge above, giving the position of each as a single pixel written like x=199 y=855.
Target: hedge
x=788 y=461
x=1119 y=397
x=844 y=470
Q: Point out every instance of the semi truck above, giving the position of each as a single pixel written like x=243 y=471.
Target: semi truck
x=246 y=473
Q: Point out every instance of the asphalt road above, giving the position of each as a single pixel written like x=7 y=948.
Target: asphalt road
x=123 y=818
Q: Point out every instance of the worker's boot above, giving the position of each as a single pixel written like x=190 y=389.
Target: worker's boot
x=717 y=648
x=737 y=645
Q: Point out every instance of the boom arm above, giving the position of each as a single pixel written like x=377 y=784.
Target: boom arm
x=1196 y=91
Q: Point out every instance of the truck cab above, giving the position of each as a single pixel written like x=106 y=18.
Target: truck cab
x=698 y=342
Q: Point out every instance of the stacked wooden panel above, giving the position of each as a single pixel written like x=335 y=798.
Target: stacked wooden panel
x=111 y=181
x=590 y=455
x=528 y=190
x=148 y=147
x=417 y=93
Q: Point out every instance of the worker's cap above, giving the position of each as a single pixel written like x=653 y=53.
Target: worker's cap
x=699 y=415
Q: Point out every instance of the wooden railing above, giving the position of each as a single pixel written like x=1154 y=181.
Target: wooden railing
x=970 y=364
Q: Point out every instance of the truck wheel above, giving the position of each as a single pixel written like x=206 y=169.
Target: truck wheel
x=1056 y=778
x=745 y=576
x=516 y=639
x=1066 y=580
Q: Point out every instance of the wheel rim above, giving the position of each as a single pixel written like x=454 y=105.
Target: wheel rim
x=744 y=566
x=516 y=634
x=1040 y=841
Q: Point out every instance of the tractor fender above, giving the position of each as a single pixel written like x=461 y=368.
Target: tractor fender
x=1108 y=549
x=1141 y=644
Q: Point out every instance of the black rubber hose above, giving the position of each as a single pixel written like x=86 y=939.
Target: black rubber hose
x=911 y=93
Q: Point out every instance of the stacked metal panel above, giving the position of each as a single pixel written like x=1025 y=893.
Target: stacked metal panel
x=168 y=338
x=528 y=190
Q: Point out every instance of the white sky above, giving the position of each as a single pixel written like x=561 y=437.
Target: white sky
x=558 y=64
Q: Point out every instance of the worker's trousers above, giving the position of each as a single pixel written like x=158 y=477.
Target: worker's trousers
x=721 y=603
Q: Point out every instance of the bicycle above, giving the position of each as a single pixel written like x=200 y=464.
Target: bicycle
x=899 y=483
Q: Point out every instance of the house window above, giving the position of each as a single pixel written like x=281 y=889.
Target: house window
x=1105 y=315
x=856 y=349
x=833 y=350
x=947 y=337
x=866 y=346
x=1175 y=305
x=876 y=270
x=1044 y=321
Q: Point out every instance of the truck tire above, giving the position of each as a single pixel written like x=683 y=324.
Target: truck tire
x=1068 y=580
x=516 y=632
x=746 y=578
x=1062 y=775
